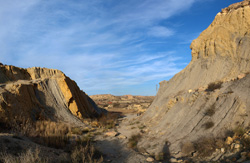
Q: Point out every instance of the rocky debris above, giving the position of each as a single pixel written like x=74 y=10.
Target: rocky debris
x=150 y=159
x=137 y=103
x=175 y=160
x=229 y=140
x=220 y=62
x=236 y=146
x=236 y=6
x=122 y=136
x=241 y=76
x=111 y=133
x=40 y=93
x=243 y=157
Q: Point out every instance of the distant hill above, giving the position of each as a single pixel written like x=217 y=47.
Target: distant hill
x=129 y=102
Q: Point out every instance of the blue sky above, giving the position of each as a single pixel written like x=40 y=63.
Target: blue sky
x=106 y=46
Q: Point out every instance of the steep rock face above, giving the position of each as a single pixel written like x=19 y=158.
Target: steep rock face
x=40 y=93
x=220 y=53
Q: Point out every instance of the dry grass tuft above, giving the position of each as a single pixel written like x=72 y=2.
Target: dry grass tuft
x=27 y=157
x=133 y=141
x=79 y=131
x=210 y=111
x=208 y=125
x=239 y=131
x=214 y=85
x=108 y=120
x=86 y=154
x=52 y=134
x=187 y=148
x=205 y=146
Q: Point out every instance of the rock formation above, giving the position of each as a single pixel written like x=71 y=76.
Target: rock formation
x=210 y=96
x=40 y=93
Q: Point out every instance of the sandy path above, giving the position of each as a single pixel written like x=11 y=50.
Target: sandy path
x=115 y=149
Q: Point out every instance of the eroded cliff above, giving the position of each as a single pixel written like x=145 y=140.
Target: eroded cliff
x=179 y=113
x=40 y=93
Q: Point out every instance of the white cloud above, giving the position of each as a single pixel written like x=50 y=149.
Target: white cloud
x=160 y=32
x=100 y=44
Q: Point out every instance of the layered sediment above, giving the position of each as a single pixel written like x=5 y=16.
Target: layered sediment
x=41 y=93
x=220 y=55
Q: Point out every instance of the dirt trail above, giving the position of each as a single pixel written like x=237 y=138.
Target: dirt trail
x=115 y=148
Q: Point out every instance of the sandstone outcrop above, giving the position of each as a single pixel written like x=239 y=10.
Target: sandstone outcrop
x=41 y=93
x=184 y=110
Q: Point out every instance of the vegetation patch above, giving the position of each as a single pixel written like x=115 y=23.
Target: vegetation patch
x=108 y=120
x=214 y=85
x=79 y=130
x=210 y=111
x=246 y=143
x=29 y=156
x=133 y=141
x=187 y=148
x=159 y=156
x=141 y=127
x=86 y=154
x=239 y=131
x=205 y=146
x=208 y=125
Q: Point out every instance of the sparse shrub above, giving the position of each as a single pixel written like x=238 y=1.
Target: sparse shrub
x=86 y=154
x=83 y=140
x=219 y=143
x=108 y=120
x=214 y=85
x=133 y=141
x=239 y=131
x=187 y=148
x=159 y=156
x=51 y=133
x=79 y=131
x=205 y=146
x=28 y=157
x=116 y=105
x=208 y=125
x=141 y=127
x=210 y=111
x=246 y=143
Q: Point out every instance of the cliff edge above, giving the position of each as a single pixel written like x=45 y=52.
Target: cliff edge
x=42 y=94
x=209 y=97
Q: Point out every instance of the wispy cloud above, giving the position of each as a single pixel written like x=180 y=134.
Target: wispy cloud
x=103 y=45
x=160 y=32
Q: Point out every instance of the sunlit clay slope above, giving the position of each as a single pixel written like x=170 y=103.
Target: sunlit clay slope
x=185 y=109
x=41 y=93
